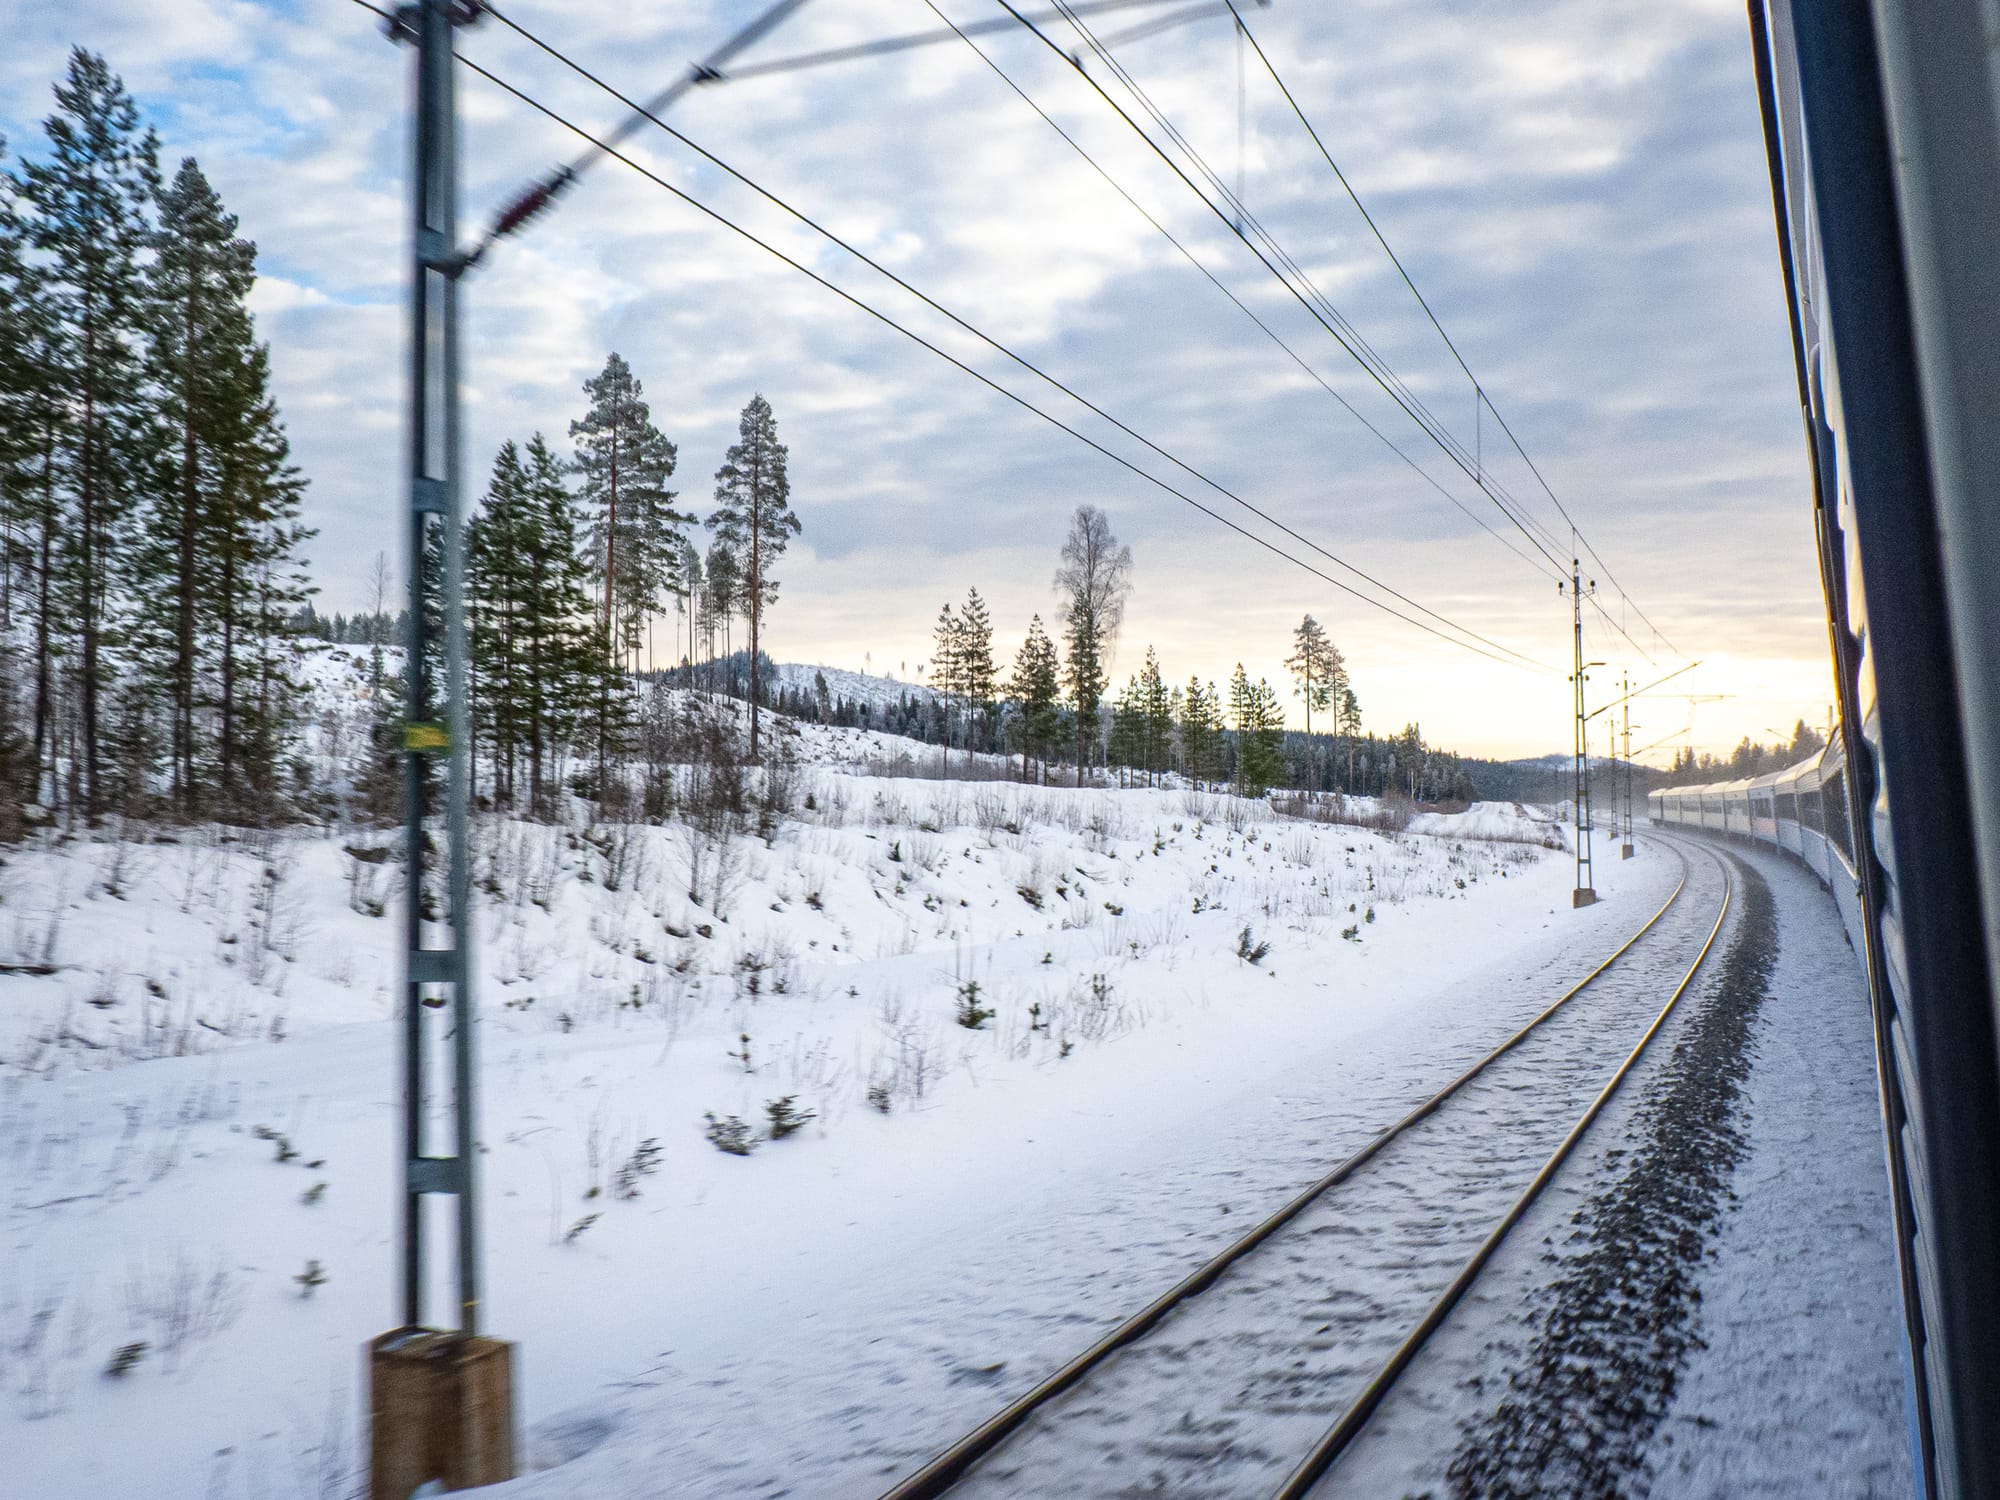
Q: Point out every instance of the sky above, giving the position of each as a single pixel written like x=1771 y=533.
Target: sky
x=1579 y=191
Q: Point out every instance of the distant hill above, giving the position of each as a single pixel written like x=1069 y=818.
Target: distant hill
x=1548 y=778
x=855 y=687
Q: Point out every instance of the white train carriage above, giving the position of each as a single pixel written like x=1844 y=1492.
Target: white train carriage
x=1801 y=810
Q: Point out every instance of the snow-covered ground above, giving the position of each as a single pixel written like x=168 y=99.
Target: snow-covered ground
x=198 y=1101
x=1798 y=1383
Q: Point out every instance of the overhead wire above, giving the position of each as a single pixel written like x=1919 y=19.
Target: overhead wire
x=1442 y=435
x=1329 y=319
x=1541 y=566
x=1024 y=363
x=1240 y=217
x=601 y=146
x=1424 y=303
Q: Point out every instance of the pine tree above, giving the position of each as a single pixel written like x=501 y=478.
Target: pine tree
x=1349 y=726
x=625 y=462
x=199 y=367
x=754 y=515
x=1036 y=685
x=1318 y=670
x=22 y=395
x=1093 y=583
x=977 y=681
x=90 y=202
x=19 y=384
x=1127 y=744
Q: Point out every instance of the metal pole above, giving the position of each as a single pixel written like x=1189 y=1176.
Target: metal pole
x=437 y=627
x=1585 y=892
x=1625 y=846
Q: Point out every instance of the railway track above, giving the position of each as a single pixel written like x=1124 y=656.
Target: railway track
x=1224 y=1386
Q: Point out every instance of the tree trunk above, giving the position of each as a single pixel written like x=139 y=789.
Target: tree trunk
x=44 y=688
x=756 y=592
x=610 y=638
x=229 y=667
x=88 y=528
x=183 y=733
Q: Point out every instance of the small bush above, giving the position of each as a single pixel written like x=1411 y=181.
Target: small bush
x=577 y=1230
x=970 y=1013
x=643 y=1162
x=125 y=1357
x=730 y=1135
x=1249 y=949
x=786 y=1117
x=311 y=1278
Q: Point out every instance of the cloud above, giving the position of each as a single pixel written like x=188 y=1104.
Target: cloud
x=1578 y=189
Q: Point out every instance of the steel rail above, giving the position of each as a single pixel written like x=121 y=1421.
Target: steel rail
x=952 y=1465
x=1326 y=1452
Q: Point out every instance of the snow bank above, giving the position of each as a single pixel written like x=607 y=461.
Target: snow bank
x=970 y=988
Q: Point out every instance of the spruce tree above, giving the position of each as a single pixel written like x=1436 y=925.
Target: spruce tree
x=946 y=678
x=1200 y=733
x=977 y=681
x=496 y=608
x=1156 y=717
x=90 y=203
x=1258 y=721
x=719 y=598
x=555 y=642
x=1036 y=685
x=1126 y=746
x=753 y=514
x=262 y=536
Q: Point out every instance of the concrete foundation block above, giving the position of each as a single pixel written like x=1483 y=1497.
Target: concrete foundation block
x=1582 y=897
x=440 y=1406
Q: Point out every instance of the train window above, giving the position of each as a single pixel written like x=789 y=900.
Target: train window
x=1833 y=799
x=1788 y=805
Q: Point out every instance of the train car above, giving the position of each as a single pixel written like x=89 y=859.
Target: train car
x=1800 y=811
x=1882 y=130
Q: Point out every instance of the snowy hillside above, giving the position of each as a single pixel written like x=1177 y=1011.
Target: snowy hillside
x=898 y=992
x=854 y=687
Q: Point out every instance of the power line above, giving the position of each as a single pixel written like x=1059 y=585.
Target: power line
x=887 y=45
x=1330 y=319
x=995 y=344
x=1243 y=307
x=601 y=146
x=1365 y=354
x=1424 y=303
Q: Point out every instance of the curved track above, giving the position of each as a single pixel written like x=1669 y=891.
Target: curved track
x=1217 y=1387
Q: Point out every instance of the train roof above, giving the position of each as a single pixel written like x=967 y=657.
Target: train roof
x=1819 y=762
